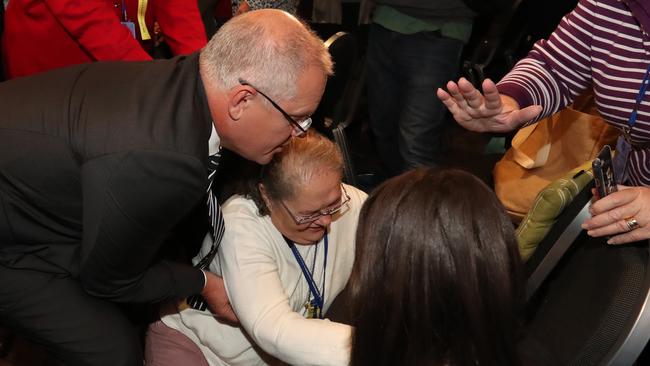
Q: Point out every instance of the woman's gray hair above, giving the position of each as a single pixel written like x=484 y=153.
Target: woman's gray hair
x=298 y=162
x=251 y=47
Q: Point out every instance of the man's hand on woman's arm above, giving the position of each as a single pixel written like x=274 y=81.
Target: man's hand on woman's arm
x=215 y=294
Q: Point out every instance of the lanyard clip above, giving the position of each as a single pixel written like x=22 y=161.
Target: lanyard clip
x=627 y=134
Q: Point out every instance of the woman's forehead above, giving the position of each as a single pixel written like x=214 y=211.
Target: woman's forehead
x=318 y=190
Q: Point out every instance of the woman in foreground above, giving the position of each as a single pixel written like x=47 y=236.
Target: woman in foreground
x=437 y=279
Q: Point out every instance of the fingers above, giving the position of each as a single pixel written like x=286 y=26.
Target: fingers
x=471 y=95
x=451 y=102
x=226 y=314
x=464 y=101
x=614 y=228
x=483 y=111
x=624 y=196
x=454 y=90
x=446 y=99
x=630 y=236
x=465 y=94
x=491 y=95
x=623 y=215
x=611 y=221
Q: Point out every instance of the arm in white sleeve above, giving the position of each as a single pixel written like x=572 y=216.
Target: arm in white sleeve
x=257 y=295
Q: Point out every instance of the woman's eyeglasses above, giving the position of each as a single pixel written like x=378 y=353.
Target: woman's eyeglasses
x=311 y=217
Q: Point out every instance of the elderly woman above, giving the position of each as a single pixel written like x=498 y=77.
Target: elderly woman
x=287 y=252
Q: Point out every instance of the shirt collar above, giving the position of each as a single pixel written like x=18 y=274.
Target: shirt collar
x=214 y=143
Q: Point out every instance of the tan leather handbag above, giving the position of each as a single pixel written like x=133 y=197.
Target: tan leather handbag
x=548 y=149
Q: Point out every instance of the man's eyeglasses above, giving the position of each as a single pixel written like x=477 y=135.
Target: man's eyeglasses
x=300 y=127
x=311 y=217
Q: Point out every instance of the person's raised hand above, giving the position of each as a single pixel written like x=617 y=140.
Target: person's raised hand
x=243 y=8
x=215 y=294
x=484 y=112
x=623 y=215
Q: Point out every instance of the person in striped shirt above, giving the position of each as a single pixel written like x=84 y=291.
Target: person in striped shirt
x=602 y=45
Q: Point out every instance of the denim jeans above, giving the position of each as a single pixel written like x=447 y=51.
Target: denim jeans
x=406 y=117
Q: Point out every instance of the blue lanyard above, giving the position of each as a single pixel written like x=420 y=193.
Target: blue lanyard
x=639 y=98
x=319 y=300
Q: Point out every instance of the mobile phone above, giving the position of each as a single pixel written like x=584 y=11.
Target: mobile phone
x=604 y=172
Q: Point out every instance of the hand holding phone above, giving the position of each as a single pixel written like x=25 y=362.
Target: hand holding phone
x=604 y=172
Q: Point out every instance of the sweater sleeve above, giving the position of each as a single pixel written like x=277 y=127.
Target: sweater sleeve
x=556 y=70
x=181 y=24
x=252 y=279
x=93 y=24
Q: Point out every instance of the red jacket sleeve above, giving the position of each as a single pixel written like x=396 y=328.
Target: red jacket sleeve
x=95 y=27
x=181 y=24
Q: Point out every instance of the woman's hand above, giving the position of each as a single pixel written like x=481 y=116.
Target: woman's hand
x=623 y=215
x=243 y=8
x=487 y=112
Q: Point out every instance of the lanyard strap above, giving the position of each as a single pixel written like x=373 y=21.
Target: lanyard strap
x=639 y=98
x=313 y=288
x=124 y=18
x=142 y=9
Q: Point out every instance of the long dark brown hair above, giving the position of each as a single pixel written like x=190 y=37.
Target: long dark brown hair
x=437 y=276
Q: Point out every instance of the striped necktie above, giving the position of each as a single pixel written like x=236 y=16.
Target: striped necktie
x=217 y=225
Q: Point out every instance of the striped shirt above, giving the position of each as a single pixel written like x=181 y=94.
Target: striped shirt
x=599 y=45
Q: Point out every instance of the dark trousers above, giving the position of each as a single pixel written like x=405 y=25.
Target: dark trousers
x=78 y=329
x=406 y=117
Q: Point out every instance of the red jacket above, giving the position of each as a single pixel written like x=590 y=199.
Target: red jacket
x=40 y=35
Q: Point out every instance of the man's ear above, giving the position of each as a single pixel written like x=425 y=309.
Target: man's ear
x=239 y=99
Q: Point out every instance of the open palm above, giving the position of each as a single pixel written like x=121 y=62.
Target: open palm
x=487 y=112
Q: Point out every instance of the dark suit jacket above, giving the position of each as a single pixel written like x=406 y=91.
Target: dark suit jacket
x=98 y=163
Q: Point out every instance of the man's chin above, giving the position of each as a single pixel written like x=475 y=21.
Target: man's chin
x=264 y=159
x=267 y=157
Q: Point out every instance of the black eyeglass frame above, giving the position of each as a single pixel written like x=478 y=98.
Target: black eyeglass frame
x=297 y=125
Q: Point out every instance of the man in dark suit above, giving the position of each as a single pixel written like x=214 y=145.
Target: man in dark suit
x=99 y=163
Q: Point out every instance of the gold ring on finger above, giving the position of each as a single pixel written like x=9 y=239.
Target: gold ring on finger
x=632 y=224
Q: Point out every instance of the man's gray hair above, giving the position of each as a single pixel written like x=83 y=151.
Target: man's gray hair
x=247 y=47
